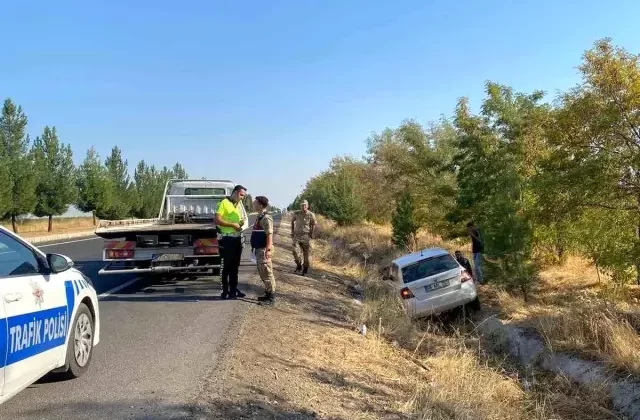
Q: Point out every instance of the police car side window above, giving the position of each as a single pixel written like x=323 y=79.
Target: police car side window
x=15 y=258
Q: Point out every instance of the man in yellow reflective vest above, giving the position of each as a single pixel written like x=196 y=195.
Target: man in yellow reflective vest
x=230 y=220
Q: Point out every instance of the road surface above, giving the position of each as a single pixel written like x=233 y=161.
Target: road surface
x=159 y=342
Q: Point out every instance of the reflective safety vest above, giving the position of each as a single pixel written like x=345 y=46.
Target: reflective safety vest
x=258 y=235
x=230 y=213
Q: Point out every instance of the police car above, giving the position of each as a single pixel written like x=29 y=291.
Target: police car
x=49 y=318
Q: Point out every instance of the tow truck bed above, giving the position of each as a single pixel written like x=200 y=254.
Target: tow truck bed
x=122 y=231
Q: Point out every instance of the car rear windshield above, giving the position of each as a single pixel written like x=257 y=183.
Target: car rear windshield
x=429 y=267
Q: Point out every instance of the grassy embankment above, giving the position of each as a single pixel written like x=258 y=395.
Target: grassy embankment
x=572 y=309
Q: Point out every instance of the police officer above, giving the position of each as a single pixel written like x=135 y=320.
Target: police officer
x=229 y=222
x=262 y=244
x=302 y=227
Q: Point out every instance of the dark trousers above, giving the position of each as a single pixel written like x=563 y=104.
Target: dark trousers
x=231 y=254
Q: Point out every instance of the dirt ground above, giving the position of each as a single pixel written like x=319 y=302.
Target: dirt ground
x=303 y=359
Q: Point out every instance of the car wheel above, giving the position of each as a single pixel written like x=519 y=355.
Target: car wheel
x=80 y=347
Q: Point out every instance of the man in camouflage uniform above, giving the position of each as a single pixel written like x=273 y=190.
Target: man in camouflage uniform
x=302 y=227
x=262 y=244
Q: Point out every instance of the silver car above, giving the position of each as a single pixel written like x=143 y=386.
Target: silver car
x=432 y=281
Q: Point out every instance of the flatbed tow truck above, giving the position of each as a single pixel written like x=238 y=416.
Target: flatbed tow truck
x=182 y=239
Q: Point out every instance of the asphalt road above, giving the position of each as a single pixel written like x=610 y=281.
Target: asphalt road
x=159 y=342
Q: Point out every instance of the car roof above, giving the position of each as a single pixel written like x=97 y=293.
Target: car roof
x=419 y=256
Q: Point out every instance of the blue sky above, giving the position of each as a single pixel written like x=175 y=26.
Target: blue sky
x=266 y=93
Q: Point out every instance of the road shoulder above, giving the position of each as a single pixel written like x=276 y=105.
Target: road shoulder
x=302 y=359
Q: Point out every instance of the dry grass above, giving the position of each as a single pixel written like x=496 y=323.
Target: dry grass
x=471 y=382
x=572 y=307
x=304 y=359
x=37 y=227
x=575 y=313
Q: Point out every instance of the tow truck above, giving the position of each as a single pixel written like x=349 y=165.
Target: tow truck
x=182 y=239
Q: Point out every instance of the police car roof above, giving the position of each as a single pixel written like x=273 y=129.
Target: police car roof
x=419 y=256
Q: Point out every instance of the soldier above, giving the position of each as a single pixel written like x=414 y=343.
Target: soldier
x=302 y=227
x=262 y=243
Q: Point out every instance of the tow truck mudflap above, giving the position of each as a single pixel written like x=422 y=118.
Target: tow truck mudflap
x=158 y=269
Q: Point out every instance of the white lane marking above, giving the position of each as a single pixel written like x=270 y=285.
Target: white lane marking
x=68 y=242
x=117 y=288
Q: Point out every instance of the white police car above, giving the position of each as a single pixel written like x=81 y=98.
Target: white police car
x=49 y=318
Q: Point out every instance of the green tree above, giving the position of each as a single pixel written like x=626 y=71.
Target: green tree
x=336 y=194
x=499 y=153
x=6 y=185
x=248 y=202
x=403 y=222
x=19 y=172
x=147 y=183
x=179 y=172
x=123 y=195
x=596 y=145
x=416 y=159
x=95 y=190
x=56 y=187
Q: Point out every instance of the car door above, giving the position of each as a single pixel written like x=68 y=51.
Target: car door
x=35 y=311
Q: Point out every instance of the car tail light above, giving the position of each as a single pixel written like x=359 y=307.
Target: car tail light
x=119 y=254
x=406 y=293
x=465 y=276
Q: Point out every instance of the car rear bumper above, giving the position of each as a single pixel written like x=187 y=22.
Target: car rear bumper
x=441 y=303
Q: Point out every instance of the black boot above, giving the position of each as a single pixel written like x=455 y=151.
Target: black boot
x=304 y=271
x=240 y=294
x=298 y=268
x=267 y=296
x=224 y=295
x=269 y=299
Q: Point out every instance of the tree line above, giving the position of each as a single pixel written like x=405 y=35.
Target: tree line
x=39 y=177
x=247 y=202
x=541 y=178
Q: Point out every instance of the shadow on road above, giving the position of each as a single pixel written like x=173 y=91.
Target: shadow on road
x=178 y=289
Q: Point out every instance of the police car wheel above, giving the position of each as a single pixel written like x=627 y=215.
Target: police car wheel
x=80 y=348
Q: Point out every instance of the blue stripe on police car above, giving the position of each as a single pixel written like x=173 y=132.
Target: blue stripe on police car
x=34 y=333
x=24 y=336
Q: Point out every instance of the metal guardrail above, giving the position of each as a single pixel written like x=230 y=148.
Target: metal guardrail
x=126 y=222
x=134 y=222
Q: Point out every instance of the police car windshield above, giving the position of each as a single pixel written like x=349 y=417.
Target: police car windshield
x=428 y=267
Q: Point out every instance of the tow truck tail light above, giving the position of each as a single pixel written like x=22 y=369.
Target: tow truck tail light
x=206 y=247
x=120 y=254
x=119 y=250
